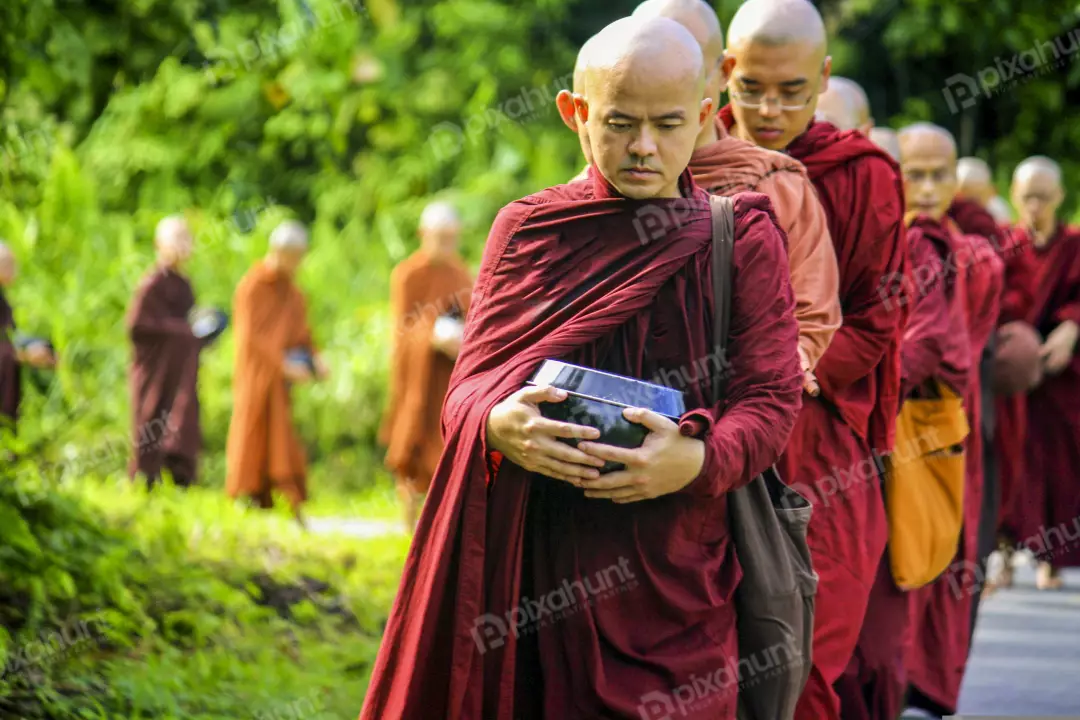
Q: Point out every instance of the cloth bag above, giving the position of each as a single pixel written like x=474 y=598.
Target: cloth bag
x=774 y=602
x=924 y=487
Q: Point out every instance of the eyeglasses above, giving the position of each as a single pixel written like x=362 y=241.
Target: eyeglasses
x=789 y=102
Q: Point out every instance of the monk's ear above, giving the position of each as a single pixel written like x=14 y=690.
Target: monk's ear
x=721 y=80
x=826 y=71
x=564 y=101
x=708 y=109
x=581 y=105
x=727 y=67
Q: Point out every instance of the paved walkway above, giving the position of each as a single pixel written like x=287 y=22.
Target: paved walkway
x=1026 y=659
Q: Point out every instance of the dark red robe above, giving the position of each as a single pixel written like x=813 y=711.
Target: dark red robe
x=1011 y=413
x=941 y=611
x=10 y=376
x=1050 y=505
x=164 y=375
x=834 y=453
x=649 y=584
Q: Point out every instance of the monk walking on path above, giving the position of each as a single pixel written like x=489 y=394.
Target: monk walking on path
x=1048 y=510
x=638 y=563
x=430 y=284
x=165 y=364
x=11 y=357
x=274 y=350
x=780 y=64
x=727 y=165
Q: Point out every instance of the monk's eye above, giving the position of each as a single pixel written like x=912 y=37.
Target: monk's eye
x=670 y=126
x=619 y=126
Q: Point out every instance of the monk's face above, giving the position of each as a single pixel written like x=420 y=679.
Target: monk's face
x=441 y=241
x=928 y=162
x=976 y=190
x=642 y=127
x=1037 y=197
x=288 y=260
x=8 y=269
x=783 y=81
x=174 y=248
x=564 y=101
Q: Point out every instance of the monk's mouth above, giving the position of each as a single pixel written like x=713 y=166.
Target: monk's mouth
x=641 y=172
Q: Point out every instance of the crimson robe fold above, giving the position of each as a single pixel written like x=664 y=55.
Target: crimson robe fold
x=941 y=611
x=834 y=455
x=527 y=600
x=164 y=378
x=10 y=369
x=1048 y=505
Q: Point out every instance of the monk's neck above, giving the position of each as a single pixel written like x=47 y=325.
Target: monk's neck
x=708 y=135
x=1041 y=237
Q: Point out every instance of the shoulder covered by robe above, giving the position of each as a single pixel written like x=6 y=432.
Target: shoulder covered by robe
x=564 y=271
x=270 y=318
x=731 y=165
x=859 y=187
x=164 y=371
x=10 y=376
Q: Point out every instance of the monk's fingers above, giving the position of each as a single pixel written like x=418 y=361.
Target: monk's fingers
x=630 y=499
x=625 y=492
x=553 y=428
x=628 y=457
x=653 y=421
x=619 y=481
x=568 y=471
x=534 y=394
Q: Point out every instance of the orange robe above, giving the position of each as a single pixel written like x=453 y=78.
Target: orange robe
x=421 y=289
x=264 y=452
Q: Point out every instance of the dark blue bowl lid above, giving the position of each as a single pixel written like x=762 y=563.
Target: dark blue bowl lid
x=609 y=387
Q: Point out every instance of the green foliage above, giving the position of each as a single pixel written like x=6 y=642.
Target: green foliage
x=180 y=605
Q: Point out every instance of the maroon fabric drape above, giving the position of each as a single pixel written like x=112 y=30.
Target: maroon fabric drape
x=10 y=374
x=567 y=274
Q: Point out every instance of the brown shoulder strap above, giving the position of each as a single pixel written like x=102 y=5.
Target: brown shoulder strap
x=723 y=232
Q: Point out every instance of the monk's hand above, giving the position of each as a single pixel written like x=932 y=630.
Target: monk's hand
x=296 y=372
x=1059 y=347
x=810 y=383
x=516 y=429
x=38 y=355
x=322 y=370
x=665 y=463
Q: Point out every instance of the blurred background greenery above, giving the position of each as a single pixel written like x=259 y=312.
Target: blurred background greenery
x=349 y=115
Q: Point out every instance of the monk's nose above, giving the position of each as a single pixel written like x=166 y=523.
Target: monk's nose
x=645 y=143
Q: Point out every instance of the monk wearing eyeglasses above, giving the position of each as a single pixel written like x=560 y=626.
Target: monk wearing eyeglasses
x=778 y=64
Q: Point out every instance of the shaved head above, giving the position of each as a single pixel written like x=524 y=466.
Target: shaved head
x=173 y=241
x=1037 y=194
x=887 y=140
x=845 y=105
x=999 y=208
x=976 y=182
x=564 y=100
x=288 y=245
x=643 y=97
x=928 y=162
x=701 y=20
x=7 y=265
x=777 y=64
x=439 y=214
x=440 y=229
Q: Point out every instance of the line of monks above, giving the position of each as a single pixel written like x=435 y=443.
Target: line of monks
x=274 y=351
x=869 y=275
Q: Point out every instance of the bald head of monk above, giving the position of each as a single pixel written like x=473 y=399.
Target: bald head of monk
x=288 y=246
x=776 y=64
x=1037 y=193
x=8 y=267
x=700 y=19
x=644 y=105
x=440 y=230
x=887 y=140
x=173 y=242
x=845 y=105
x=928 y=163
x=976 y=182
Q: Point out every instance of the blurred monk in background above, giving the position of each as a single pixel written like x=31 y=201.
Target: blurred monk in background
x=885 y=138
x=429 y=298
x=844 y=104
x=778 y=64
x=727 y=165
x=165 y=364
x=274 y=351
x=1049 y=503
x=34 y=354
x=969 y=211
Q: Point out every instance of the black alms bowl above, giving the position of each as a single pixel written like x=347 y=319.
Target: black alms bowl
x=208 y=324
x=597 y=399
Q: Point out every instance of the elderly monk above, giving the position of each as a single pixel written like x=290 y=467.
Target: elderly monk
x=12 y=358
x=165 y=364
x=726 y=165
x=778 y=64
x=1048 y=503
x=431 y=283
x=975 y=188
x=887 y=140
x=642 y=555
x=264 y=452
x=844 y=104
x=940 y=612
